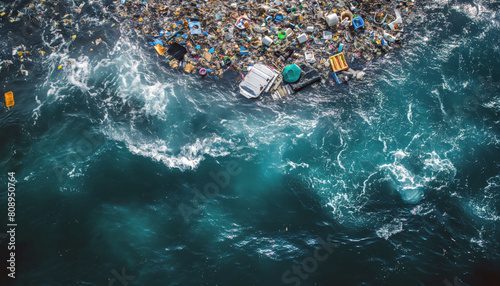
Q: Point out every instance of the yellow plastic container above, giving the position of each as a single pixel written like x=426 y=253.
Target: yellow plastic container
x=338 y=62
x=9 y=99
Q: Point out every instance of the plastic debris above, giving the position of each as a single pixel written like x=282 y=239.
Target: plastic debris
x=159 y=49
x=214 y=36
x=332 y=20
x=309 y=57
x=267 y=41
x=195 y=28
x=302 y=38
x=291 y=73
x=395 y=24
x=358 y=22
x=338 y=62
x=9 y=99
x=257 y=81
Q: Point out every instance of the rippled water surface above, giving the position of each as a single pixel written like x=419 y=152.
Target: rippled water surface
x=125 y=165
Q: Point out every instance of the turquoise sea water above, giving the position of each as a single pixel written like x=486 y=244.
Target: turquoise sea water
x=131 y=173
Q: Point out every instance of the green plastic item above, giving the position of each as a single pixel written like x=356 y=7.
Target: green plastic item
x=282 y=34
x=291 y=73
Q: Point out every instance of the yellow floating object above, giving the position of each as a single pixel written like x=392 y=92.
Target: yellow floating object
x=140 y=19
x=9 y=99
x=20 y=53
x=338 y=62
x=159 y=49
x=73 y=37
x=59 y=67
x=188 y=68
x=3 y=13
x=42 y=52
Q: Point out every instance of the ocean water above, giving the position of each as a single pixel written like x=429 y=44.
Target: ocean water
x=131 y=173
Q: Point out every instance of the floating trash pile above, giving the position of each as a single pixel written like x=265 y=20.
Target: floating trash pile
x=301 y=41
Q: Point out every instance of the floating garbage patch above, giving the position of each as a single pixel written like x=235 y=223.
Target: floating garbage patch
x=324 y=39
x=212 y=37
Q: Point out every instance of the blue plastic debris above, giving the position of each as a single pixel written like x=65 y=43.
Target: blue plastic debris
x=184 y=36
x=195 y=28
x=336 y=78
x=156 y=42
x=341 y=46
x=243 y=51
x=198 y=47
x=212 y=50
x=358 y=22
x=161 y=33
x=205 y=34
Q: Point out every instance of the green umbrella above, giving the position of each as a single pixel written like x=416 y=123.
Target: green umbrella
x=291 y=73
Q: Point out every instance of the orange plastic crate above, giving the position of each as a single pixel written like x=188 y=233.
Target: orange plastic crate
x=159 y=49
x=9 y=99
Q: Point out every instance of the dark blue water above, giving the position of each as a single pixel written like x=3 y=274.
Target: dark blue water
x=131 y=173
